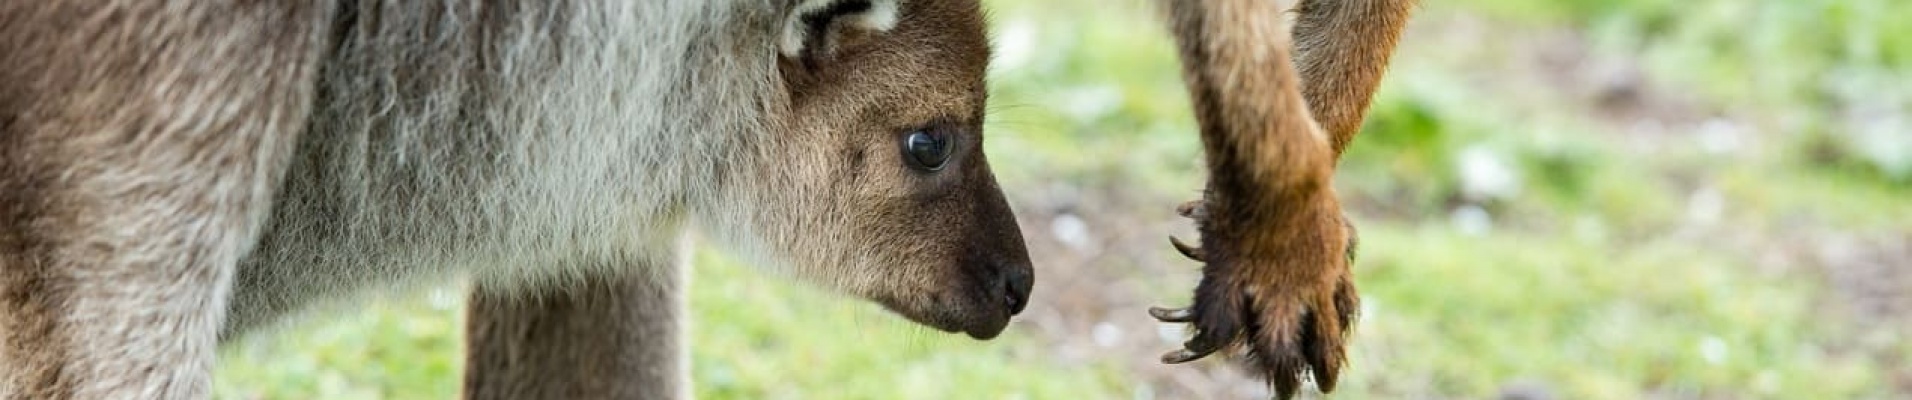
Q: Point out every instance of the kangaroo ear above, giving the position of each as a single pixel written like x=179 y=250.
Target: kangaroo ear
x=816 y=31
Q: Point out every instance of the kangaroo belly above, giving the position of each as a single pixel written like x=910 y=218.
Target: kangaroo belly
x=534 y=140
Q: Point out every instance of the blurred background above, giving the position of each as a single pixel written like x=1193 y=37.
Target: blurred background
x=1571 y=199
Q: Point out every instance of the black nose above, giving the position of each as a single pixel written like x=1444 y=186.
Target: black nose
x=1015 y=283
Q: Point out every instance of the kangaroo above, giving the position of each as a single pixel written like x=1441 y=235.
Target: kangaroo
x=1276 y=107
x=175 y=174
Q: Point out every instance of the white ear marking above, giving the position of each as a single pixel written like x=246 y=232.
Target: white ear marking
x=881 y=17
x=875 y=15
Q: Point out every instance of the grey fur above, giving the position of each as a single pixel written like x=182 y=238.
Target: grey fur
x=177 y=173
x=495 y=164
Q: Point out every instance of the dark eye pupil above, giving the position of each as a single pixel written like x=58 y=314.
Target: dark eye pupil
x=926 y=150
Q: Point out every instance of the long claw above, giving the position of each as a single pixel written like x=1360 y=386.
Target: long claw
x=1176 y=315
x=1287 y=383
x=1192 y=252
x=1193 y=209
x=1182 y=356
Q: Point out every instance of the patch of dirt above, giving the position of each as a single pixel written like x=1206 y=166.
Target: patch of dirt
x=1868 y=279
x=1871 y=277
x=1102 y=258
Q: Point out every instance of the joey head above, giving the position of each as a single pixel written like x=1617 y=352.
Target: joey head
x=881 y=188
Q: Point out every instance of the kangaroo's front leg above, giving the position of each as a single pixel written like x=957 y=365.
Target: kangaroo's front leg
x=1277 y=248
x=608 y=337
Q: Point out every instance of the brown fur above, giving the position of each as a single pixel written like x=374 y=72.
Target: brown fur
x=1274 y=240
x=1342 y=49
x=588 y=341
x=912 y=87
x=175 y=173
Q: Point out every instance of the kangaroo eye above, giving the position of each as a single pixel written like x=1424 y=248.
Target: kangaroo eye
x=926 y=150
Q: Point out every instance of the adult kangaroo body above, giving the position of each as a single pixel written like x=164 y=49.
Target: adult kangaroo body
x=177 y=172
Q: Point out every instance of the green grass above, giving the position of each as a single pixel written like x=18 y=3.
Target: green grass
x=404 y=349
x=756 y=337
x=1467 y=314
